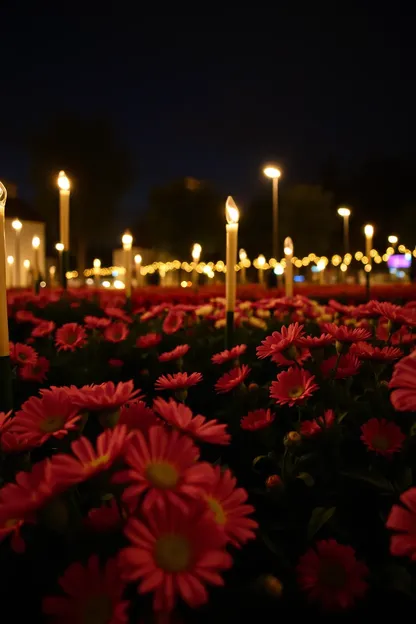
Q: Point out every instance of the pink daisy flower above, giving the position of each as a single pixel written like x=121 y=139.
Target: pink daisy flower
x=96 y=322
x=259 y=419
x=293 y=387
x=22 y=354
x=70 y=336
x=180 y=417
x=175 y=354
x=232 y=379
x=104 y=397
x=148 y=341
x=229 y=355
x=104 y=519
x=116 y=332
x=402 y=520
x=280 y=341
x=43 y=329
x=35 y=372
x=173 y=321
x=346 y=366
x=26 y=316
x=382 y=437
x=117 y=313
x=345 y=334
x=309 y=428
x=178 y=381
x=315 y=342
x=173 y=555
x=403 y=398
x=138 y=417
x=365 y=351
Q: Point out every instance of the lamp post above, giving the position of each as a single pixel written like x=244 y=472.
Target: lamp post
x=288 y=250
x=127 y=240
x=232 y=216
x=261 y=261
x=345 y=214
x=10 y=262
x=17 y=226
x=274 y=174
x=36 y=245
x=369 y=232
x=97 y=266
x=6 y=397
x=196 y=254
x=64 y=195
x=138 y=265
x=393 y=240
x=26 y=266
x=243 y=257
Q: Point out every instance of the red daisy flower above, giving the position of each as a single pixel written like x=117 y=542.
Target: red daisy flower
x=228 y=355
x=116 y=332
x=382 y=437
x=70 y=336
x=92 y=595
x=173 y=321
x=293 y=387
x=315 y=342
x=22 y=354
x=402 y=519
x=9 y=441
x=331 y=575
x=154 y=312
x=43 y=329
x=175 y=354
x=228 y=503
x=51 y=416
x=164 y=469
x=104 y=397
x=291 y=355
x=35 y=372
x=104 y=519
x=309 y=428
x=259 y=419
x=148 y=341
x=365 y=351
x=137 y=417
x=90 y=461
x=389 y=311
x=346 y=366
x=96 y=322
x=115 y=363
x=180 y=417
x=280 y=341
x=403 y=398
x=174 y=554
x=25 y=316
x=345 y=334
x=232 y=379
x=117 y=313
x=178 y=381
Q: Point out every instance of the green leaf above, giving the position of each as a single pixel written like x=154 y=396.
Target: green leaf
x=319 y=517
x=376 y=481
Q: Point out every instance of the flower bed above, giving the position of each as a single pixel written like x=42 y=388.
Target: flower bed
x=146 y=470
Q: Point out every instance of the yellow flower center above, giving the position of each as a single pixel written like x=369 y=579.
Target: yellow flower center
x=96 y=610
x=217 y=508
x=162 y=475
x=380 y=442
x=173 y=553
x=53 y=423
x=103 y=459
x=295 y=392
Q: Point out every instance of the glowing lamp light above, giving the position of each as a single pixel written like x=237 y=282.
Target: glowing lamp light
x=118 y=284
x=184 y=284
x=321 y=265
x=26 y=264
x=106 y=284
x=127 y=240
x=63 y=181
x=243 y=254
x=369 y=230
x=272 y=172
x=138 y=259
x=343 y=267
x=261 y=261
x=232 y=213
x=10 y=260
x=17 y=225
x=96 y=263
x=288 y=246
x=36 y=242
x=278 y=269
x=367 y=268
x=196 y=251
x=344 y=212
x=393 y=240
x=59 y=247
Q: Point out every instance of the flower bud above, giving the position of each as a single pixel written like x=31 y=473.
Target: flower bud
x=253 y=387
x=273 y=586
x=274 y=482
x=293 y=438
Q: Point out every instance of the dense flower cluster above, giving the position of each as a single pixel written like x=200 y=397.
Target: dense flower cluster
x=146 y=470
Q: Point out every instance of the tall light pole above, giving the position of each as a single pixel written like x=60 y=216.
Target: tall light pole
x=127 y=241
x=59 y=248
x=6 y=394
x=274 y=173
x=393 y=240
x=64 y=194
x=36 y=245
x=345 y=214
x=17 y=226
x=369 y=233
x=196 y=255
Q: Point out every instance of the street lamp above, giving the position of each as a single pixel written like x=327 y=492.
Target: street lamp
x=64 y=194
x=10 y=262
x=36 y=245
x=97 y=265
x=243 y=257
x=261 y=261
x=274 y=173
x=369 y=232
x=345 y=214
x=196 y=254
x=26 y=266
x=17 y=226
x=288 y=251
x=393 y=240
x=138 y=264
x=127 y=240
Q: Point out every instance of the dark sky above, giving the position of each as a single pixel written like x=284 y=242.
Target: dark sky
x=213 y=96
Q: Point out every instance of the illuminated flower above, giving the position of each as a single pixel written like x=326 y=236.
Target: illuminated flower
x=175 y=354
x=229 y=355
x=345 y=334
x=228 y=504
x=104 y=519
x=137 y=417
x=35 y=372
x=365 y=351
x=51 y=415
x=178 y=381
x=148 y=341
x=91 y=595
x=116 y=332
x=173 y=321
x=382 y=437
x=309 y=428
x=403 y=398
x=259 y=419
x=22 y=354
x=402 y=520
x=96 y=322
x=87 y=461
x=70 y=336
x=232 y=379
x=43 y=329
x=315 y=342
x=106 y=396
x=117 y=313
x=293 y=387
x=26 y=316
x=280 y=341
x=154 y=312
x=387 y=310
x=164 y=469
x=174 y=554
x=331 y=575
x=180 y=417
x=346 y=366
x=291 y=355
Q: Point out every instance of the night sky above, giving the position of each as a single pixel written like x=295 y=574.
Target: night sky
x=213 y=96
